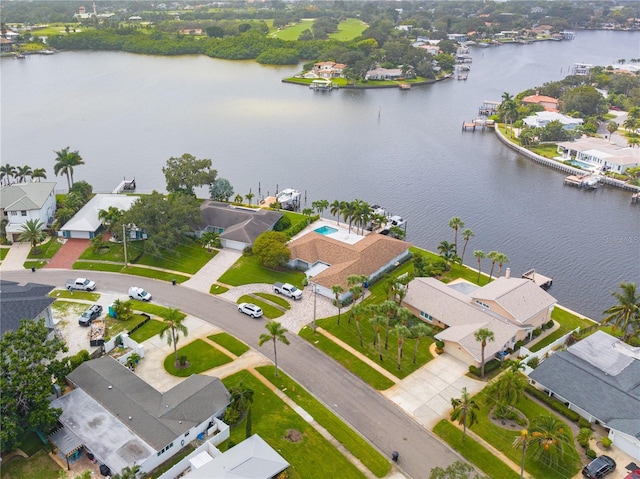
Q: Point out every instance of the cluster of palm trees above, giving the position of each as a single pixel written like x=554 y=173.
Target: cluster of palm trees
x=495 y=257
x=65 y=162
x=20 y=174
x=357 y=213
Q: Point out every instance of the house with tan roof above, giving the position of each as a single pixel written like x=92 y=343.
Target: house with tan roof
x=549 y=103
x=328 y=262
x=328 y=69
x=509 y=307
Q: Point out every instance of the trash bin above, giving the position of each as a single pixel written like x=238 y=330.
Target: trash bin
x=33 y=269
x=173 y=282
x=395 y=456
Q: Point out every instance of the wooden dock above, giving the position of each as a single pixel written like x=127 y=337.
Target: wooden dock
x=540 y=280
x=574 y=180
x=469 y=125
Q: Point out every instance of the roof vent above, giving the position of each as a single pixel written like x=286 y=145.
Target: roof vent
x=130 y=418
x=110 y=386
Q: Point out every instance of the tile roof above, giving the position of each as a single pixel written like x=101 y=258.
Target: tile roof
x=365 y=257
x=25 y=196
x=239 y=224
x=22 y=302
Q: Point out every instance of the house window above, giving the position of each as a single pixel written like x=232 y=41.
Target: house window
x=23 y=213
x=14 y=213
x=484 y=305
x=426 y=316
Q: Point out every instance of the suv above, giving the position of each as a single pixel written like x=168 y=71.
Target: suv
x=250 y=309
x=138 y=293
x=89 y=315
x=599 y=467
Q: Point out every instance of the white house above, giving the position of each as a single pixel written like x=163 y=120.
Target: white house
x=22 y=202
x=542 y=118
x=85 y=223
x=600 y=152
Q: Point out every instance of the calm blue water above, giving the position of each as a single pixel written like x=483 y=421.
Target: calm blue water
x=325 y=230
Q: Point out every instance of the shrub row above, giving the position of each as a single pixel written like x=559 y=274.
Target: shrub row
x=295 y=229
x=553 y=404
x=488 y=367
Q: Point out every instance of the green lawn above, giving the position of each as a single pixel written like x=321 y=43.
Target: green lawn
x=275 y=299
x=313 y=457
x=230 y=343
x=201 y=356
x=39 y=466
x=91 y=266
x=292 y=32
x=148 y=331
x=349 y=29
x=116 y=326
x=473 y=451
x=218 y=289
x=548 y=151
x=348 y=360
x=114 y=252
x=132 y=270
x=502 y=439
x=31 y=444
x=568 y=322
x=46 y=250
x=3 y=253
x=350 y=439
x=248 y=270
x=151 y=308
x=82 y=295
x=269 y=311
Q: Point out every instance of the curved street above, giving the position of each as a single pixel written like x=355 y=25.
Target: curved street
x=379 y=420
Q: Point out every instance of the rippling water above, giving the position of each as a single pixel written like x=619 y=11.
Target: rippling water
x=127 y=114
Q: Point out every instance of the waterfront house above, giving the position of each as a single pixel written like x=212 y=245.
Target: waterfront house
x=549 y=103
x=540 y=119
x=509 y=307
x=600 y=152
x=598 y=378
x=5 y=45
x=328 y=69
x=30 y=301
x=123 y=421
x=386 y=74
x=328 y=262
x=22 y=202
x=86 y=223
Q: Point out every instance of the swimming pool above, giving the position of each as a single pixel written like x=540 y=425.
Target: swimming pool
x=581 y=164
x=325 y=230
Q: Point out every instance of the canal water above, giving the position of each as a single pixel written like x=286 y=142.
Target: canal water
x=127 y=114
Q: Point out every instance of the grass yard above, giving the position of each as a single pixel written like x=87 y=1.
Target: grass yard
x=269 y=311
x=349 y=334
x=116 y=326
x=350 y=439
x=548 y=151
x=46 y=250
x=568 y=322
x=151 y=308
x=186 y=258
x=91 y=266
x=275 y=299
x=348 y=360
x=68 y=308
x=39 y=466
x=81 y=295
x=201 y=356
x=148 y=331
x=502 y=439
x=248 y=270
x=292 y=32
x=154 y=273
x=312 y=457
x=218 y=289
x=3 y=253
x=349 y=29
x=114 y=252
x=473 y=451
x=230 y=343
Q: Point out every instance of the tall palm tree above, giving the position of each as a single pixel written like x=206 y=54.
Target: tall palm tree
x=493 y=256
x=612 y=127
x=357 y=311
x=464 y=411
x=522 y=441
x=249 y=196
x=320 y=206
x=506 y=391
x=389 y=310
x=466 y=236
x=627 y=311
x=419 y=330
x=479 y=255
x=455 y=223
x=401 y=331
x=549 y=436
x=348 y=212
x=173 y=320
x=501 y=259
x=336 y=207
x=7 y=173
x=447 y=251
x=483 y=335
x=32 y=232
x=275 y=333
x=39 y=173
x=110 y=217
x=378 y=321
x=238 y=198
x=22 y=172
x=65 y=162
x=337 y=291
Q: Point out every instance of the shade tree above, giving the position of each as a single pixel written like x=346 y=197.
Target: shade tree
x=186 y=172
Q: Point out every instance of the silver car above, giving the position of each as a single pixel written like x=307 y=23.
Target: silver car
x=250 y=309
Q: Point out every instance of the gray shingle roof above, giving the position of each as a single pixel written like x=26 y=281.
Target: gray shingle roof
x=25 y=196
x=239 y=224
x=21 y=302
x=612 y=398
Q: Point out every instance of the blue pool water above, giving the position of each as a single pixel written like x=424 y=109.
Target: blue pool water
x=325 y=230
x=580 y=164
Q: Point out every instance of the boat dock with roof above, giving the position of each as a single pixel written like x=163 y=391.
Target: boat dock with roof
x=540 y=280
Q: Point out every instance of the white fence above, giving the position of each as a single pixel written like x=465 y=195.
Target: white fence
x=545 y=352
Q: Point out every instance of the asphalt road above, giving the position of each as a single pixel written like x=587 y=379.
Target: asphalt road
x=380 y=421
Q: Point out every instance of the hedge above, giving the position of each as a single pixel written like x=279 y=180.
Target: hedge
x=553 y=403
x=488 y=367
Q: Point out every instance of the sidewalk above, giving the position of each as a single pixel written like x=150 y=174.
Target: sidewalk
x=210 y=272
x=16 y=257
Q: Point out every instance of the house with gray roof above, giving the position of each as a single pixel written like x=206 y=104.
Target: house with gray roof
x=30 y=301
x=599 y=378
x=238 y=226
x=509 y=307
x=22 y=202
x=86 y=222
x=122 y=420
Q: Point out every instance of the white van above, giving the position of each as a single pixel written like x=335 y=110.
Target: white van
x=138 y=293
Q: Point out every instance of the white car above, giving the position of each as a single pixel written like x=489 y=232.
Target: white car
x=250 y=309
x=136 y=292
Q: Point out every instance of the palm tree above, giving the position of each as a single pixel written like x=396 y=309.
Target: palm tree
x=612 y=127
x=356 y=292
x=388 y=309
x=249 y=196
x=378 y=321
x=357 y=311
x=627 y=311
x=455 y=223
x=419 y=330
x=32 y=232
x=466 y=236
x=129 y=472
x=275 y=333
x=464 y=411
x=506 y=391
x=336 y=207
x=7 y=172
x=479 y=255
x=22 y=172
x=175 y=327
x=401 y=331
x=447 y=251
x=492 y=255
x=320 y=206
x=110 y=217
x=308 y=212
x=240 y=398
x=549 y=436
x=348 y=212
x=65 y=161
x=337 y=291
x=501 y=258
x=238 y=198
x=483 y=335
x=39 y=173
x=521 y=441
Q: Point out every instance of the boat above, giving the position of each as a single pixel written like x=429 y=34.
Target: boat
x=289 y=199
x=394 y=222
x=321 y=85
x=19 y=56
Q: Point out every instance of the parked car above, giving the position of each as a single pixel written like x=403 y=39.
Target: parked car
x=138 y=293
x=89 y=315
x=599 y=467
x=250 y=309
x=635 y=474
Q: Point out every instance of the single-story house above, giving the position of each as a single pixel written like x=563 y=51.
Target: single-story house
x=509 y=307
x=542 y=118
x=6 y=45
x=329 y=262
x=599 y=378
x=600 y=152
x=549 y=103
x=30 y=301
x=85 y=223
x=123 y=421
x=22 y=202
x=385 y=74
x=237 y=226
